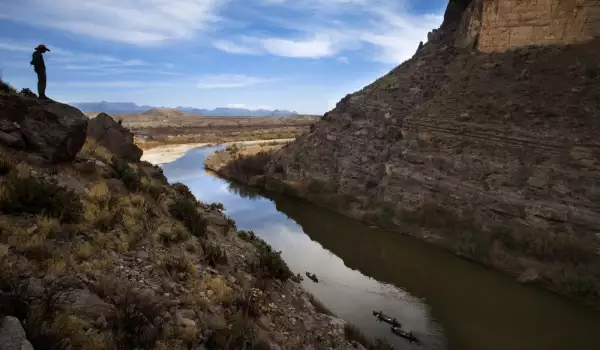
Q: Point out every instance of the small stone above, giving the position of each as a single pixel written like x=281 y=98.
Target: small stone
x=3 y=250
x=186 y=322
x=186 y=313
x=143 y=255
x=210 y=293
x=12 y=335
x=529 y=275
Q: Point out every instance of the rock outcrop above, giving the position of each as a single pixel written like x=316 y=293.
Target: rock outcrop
x=12 y=335
x=114 y=137
x=498 y=25
x=55 y=130
x=494 y=155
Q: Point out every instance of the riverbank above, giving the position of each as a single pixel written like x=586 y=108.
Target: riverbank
x=168 y=153
x=560 y=266
x=165 y=126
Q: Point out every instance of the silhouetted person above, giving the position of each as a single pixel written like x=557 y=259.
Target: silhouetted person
x=39 y=66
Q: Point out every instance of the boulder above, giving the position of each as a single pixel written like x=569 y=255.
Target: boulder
x=114 y=137
x=12 y=335
x=55 y=130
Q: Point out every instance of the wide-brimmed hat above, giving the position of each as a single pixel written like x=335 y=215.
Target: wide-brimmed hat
x=42 y=47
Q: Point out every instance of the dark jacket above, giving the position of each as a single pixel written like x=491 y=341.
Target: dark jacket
x=37 y=60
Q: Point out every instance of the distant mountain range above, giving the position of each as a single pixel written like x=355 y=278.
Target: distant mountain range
x=132 y=108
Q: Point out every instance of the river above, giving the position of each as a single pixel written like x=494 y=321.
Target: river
x=446 y=301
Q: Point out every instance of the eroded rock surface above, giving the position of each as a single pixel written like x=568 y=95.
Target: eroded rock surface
x=114 y=137
x=55 y=130
x=506 y=141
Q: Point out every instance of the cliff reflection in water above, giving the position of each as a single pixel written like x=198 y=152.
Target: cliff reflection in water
x=363 y=269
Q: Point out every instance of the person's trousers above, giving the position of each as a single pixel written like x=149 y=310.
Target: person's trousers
x=41 y=83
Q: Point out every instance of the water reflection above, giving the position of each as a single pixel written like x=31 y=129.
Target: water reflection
x=478 y=308
x=346 y=292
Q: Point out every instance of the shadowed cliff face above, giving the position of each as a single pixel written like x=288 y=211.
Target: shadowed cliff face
x=495 y=153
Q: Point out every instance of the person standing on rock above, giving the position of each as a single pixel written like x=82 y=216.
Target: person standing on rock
x=40 y=68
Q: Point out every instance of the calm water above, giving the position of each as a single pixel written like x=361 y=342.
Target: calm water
x=449 y=303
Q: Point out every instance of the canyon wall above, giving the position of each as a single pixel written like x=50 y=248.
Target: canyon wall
x=498 y=25
x=494 y=155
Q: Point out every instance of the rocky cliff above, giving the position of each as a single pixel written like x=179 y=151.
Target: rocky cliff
x=494 y=155
x=498 y=25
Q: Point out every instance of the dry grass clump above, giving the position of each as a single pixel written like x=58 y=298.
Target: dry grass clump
x=21 y=193
x=92 y=149
x=185 y=209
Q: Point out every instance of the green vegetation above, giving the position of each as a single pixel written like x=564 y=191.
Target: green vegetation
x=26 y=194
x=213 y=254
x=270 y=264
x=241 y=334
x=319 y=307
x=186 y=210
x=247 y=166
x=126 y=174
x=353 y=334
x=135 y=316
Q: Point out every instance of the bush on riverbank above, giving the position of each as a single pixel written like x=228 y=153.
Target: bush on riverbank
x=245 y=167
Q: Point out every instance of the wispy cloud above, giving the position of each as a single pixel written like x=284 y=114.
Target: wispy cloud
x=231 y=47
x=384 y=29
x=245 y=106
x=141 y=22
x=223 y=81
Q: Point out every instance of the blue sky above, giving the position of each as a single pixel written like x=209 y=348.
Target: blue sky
x=303 y=55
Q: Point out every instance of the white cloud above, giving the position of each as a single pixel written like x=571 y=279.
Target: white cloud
x=224 y=81
x=10 y=46
x=245 y=106
x=236 y=105
x=231 y=47
x=310 y=48
x=140 y=22
x=384 y=30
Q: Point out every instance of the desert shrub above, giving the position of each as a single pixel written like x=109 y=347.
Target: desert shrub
x=154 y=191
x=581 y=280
x=248 y=236
x=136 y=323
x=183 y=190
x=30 y=195
x=545 y=246
x=45 y=324
x=126 y=174
x=172 y=235
x=6 y=87
x=185 y=210
x=216 y=206
x=179 y=264
x=6 y=165
x=248 y=305
x=319 y=306
x=213 y=254
x=241 y=334
x=270 y=263
x=233 y=149
x=353 y=334
x=248 y=166
x=435 y=216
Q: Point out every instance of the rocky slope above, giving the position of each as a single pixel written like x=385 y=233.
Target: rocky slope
x=99 y=251
x=493 y=155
